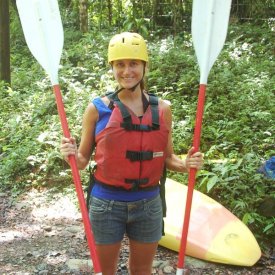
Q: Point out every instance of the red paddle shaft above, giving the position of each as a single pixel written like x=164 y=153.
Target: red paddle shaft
x=77 y=182
x=192 y=175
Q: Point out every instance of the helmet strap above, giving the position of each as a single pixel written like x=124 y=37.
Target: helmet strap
x=117 y=91
x=134 y=87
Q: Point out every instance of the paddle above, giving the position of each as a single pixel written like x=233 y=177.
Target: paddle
x=43 y=32
x=209 y=29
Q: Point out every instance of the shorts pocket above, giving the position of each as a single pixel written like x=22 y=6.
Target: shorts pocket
x=98 y=206
x=154 y=207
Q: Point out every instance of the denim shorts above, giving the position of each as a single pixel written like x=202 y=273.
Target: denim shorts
x=140 y=220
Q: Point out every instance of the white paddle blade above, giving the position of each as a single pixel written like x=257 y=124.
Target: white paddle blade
x=209 y=28
x=42 y=27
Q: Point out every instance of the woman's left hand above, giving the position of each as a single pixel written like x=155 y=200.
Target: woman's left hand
x=194 y=160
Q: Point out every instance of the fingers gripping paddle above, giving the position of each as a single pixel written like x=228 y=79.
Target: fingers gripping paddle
x=43 y=32
x=209 y=29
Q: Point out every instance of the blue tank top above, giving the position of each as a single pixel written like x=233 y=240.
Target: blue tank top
x=100 y=190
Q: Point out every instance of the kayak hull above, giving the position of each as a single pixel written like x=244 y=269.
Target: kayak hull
x=214 y=233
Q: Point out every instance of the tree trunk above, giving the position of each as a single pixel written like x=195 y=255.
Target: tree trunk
x=134 y=8
x=5 y=41
x=154 y=13
x=118 y=17
x=100 y=15
x=177 y=16
x=83 y=15
x=110 y=12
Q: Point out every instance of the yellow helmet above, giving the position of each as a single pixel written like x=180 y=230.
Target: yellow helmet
x=127 y=45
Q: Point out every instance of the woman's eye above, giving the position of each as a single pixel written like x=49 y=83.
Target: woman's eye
x=119 y=65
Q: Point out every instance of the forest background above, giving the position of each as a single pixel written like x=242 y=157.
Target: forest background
x=238 y=127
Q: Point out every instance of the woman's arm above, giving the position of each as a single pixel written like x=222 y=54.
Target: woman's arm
x=83 y=153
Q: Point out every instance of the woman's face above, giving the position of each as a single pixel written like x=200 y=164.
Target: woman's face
x=128 y=72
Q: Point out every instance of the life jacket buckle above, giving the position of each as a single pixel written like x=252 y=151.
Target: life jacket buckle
x=136 y=183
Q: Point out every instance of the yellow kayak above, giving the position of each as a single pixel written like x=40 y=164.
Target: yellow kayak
x=215 y=234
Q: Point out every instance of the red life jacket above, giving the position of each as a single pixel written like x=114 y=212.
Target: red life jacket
x=131 y=151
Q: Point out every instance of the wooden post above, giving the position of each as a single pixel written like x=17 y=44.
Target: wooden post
x=5 y=41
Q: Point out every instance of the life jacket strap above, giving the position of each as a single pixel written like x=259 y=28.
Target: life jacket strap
x=127 y=120
x=128 y=126
x=153 y=101
x=139 y=155
x=112 y=96
x=136 y=185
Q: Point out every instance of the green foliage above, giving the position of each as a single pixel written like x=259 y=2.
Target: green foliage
x=238 y=126
x=165 y=16
x=139 y=25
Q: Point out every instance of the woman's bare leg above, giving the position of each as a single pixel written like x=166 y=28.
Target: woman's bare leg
x=141 y=257
x=108 y=257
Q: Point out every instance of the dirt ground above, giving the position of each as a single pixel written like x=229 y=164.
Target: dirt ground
x=41 y=230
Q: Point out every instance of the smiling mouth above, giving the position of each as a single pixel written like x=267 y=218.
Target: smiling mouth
x=128 y=78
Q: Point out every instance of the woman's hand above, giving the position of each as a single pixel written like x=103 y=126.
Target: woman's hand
x=193 y=160
x=68 y=147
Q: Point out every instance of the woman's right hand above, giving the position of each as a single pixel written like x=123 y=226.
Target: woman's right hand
x=68 y=147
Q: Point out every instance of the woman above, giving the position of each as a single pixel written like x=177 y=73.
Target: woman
x=132 y=134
